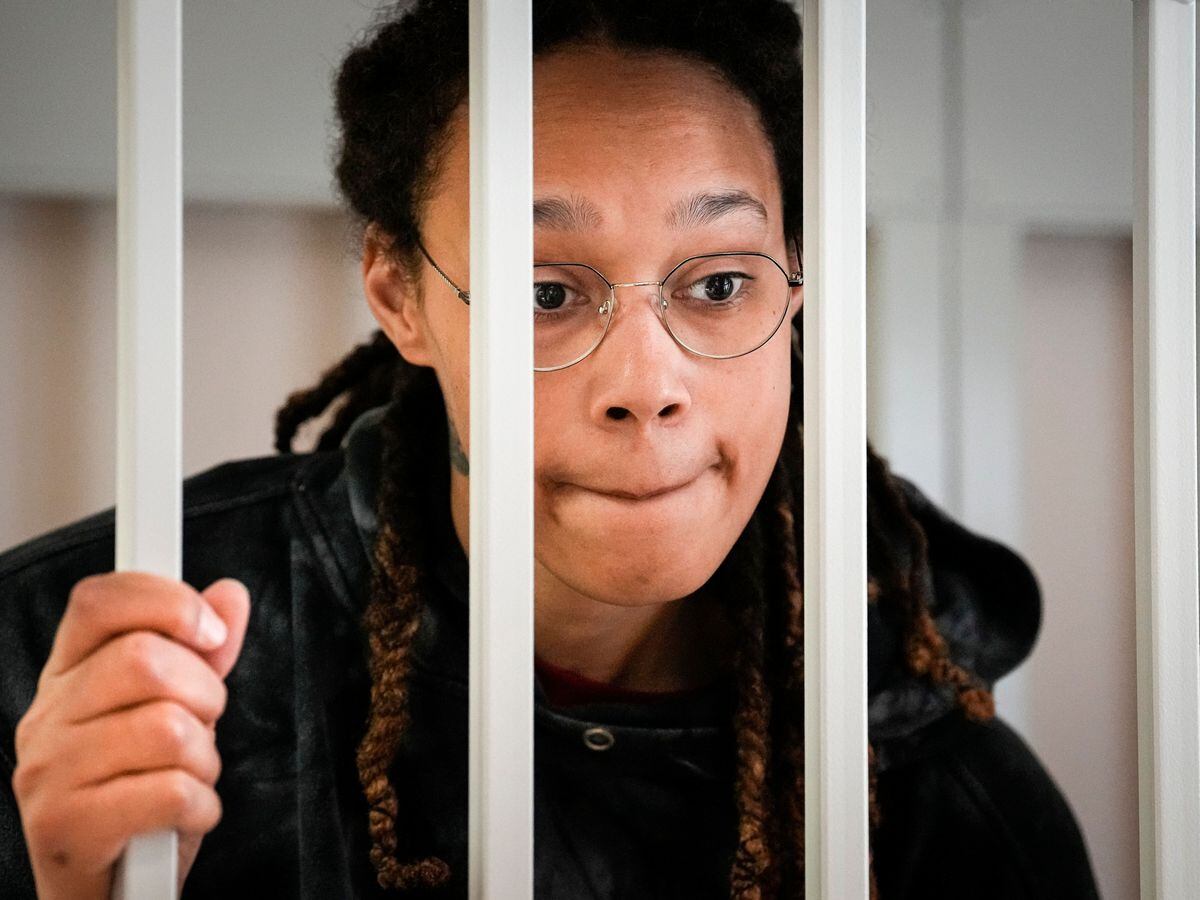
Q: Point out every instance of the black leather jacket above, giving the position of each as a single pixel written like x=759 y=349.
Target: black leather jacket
x=968 y=810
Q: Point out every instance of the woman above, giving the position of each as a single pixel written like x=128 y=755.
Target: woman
x=667 y=498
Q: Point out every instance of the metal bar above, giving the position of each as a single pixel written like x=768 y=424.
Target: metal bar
x=1164 y=373
x=149 y=340
x=500 y=816
x=835 y=548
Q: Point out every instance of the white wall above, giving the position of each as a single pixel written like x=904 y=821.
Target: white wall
x=257 y=97
x=271 y=300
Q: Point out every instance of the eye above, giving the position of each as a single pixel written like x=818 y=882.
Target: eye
x=549 y=295
x=718 y=287
x=566 y=294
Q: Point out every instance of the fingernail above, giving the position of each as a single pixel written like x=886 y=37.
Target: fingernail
x=212 y=628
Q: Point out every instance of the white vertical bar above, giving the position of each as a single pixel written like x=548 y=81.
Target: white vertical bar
x=835 y=438
x=1164 y=264
x=149 y=338
x=501 y=442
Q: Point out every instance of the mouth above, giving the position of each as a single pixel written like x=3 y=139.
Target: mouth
x=645 y=495
x=647 y=492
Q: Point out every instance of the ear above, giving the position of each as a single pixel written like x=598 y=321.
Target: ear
x=392 y=296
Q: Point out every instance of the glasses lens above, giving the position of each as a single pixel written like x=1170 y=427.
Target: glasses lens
x=726 y=305
x=570 y=313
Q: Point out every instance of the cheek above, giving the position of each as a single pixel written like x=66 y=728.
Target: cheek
x=754 y=421
x=453 y=367
x=779 y=403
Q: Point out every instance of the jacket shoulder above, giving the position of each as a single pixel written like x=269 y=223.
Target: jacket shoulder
x=227 y=487
x=972 y=811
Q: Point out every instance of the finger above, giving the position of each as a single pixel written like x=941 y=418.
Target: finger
x=163 y=798
x=231 y=601
x=135 y=668
x=156 y=735
x=115 y=811
x=101 y=607
x=160 y=734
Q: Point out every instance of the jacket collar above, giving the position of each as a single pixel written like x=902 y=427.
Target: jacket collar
x=986 y=602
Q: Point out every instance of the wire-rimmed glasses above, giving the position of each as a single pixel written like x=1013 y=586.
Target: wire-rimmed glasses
x=715 y=305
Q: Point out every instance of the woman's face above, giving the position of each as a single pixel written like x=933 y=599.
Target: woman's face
x=633 y=138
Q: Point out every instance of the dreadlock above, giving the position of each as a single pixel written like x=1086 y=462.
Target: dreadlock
x=395 y=92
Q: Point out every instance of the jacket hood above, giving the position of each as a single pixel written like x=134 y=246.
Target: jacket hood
x=985 y=598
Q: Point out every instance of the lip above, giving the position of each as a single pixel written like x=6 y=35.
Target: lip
x=648 y=494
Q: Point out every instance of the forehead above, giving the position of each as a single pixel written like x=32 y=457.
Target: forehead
x=633 y=135
x=646 y=128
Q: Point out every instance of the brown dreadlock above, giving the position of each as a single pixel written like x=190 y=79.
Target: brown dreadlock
x=412 y=71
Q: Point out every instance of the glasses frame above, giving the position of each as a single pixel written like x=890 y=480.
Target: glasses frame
x=794 y=280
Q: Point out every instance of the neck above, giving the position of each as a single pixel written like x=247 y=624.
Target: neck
x=670 y=646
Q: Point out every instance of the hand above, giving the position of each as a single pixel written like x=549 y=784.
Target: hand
x=121 y=736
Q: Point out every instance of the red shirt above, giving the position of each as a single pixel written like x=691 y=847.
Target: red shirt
x=564 y=687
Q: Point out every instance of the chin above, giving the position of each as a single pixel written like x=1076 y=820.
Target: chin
x=637 y=552
x=623 y=578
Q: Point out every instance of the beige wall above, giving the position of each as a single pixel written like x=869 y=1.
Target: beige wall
x=271 y=298
x=1008 y=397
x=1076 y=486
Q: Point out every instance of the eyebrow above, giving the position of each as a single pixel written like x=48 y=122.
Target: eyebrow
x=708 y=206
x=580 y=214
x=566 y=214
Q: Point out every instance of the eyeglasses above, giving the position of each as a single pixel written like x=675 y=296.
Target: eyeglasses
x=715 y=305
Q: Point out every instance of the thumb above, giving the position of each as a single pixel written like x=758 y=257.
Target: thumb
x=230 y=599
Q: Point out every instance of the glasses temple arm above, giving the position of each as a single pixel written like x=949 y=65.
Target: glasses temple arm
x=464 y=296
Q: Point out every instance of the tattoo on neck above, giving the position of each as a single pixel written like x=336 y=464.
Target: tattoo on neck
x=458 y=459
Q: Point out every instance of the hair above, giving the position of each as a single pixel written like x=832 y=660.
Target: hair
x=395 y=93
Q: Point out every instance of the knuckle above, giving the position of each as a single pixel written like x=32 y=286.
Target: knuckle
x=183 y=609
x=218 y=810
x=177 y=791
x=87 y=595
x=172 y=727
x=218 y=765
x=207 y=811
x=221 y=700
x=26 y=727
x=24 y=777
x=29 y=767
x=142 y=653
x=213 y=764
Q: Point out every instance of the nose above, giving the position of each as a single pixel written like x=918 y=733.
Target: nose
x=638 y=365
